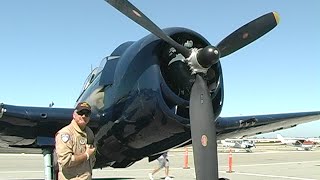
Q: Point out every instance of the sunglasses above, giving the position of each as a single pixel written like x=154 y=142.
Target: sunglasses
x=86 y=113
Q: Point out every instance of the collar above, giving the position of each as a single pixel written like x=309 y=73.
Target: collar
x=76 y=127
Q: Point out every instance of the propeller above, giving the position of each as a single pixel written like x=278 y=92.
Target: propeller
x=248 y=33
x=203 y=131
x=235 y=41
x=203 y=128
x=137 y=16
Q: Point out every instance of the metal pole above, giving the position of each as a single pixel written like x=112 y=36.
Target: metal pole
x=48 y=166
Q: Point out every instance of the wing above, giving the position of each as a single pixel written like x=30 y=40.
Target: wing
x=31 y=126
x=243 y=126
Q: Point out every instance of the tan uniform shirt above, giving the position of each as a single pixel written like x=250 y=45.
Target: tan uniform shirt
x=71 y=140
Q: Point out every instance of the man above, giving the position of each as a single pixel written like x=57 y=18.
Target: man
x=74 y=146
x=163 y=163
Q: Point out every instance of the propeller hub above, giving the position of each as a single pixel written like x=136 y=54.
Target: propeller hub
x=201 y=60
x=208 y=56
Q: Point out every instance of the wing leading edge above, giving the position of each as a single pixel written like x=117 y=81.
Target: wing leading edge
x=242 y=126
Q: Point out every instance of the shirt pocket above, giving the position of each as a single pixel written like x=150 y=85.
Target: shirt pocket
x=80 y=145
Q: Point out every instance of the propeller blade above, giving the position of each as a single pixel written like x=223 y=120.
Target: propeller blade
x=203 y=131
x=248 y=33
x=126 y=8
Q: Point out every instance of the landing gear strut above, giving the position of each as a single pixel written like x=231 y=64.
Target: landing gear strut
x=50 y=170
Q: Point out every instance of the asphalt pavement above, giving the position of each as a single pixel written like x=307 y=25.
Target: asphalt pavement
x=265 y=163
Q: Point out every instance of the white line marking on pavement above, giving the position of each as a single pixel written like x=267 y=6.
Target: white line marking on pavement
x=22 y=154
x=268 y=164
x=9 y=172
x=272 y=176
x=253 y=153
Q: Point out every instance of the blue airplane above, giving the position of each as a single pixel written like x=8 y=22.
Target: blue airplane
x=160 y=92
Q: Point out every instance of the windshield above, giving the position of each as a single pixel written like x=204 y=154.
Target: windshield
x=96 y=71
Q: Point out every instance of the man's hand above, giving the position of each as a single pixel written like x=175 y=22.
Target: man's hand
x=90 y=149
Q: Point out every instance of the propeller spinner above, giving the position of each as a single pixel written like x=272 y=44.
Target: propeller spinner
x=203 y=129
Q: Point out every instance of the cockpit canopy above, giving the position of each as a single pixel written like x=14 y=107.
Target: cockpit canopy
x=96 y=71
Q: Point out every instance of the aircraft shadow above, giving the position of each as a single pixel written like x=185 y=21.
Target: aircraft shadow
x=97 y=179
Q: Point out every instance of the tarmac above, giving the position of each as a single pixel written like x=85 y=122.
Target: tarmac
x=266 y=162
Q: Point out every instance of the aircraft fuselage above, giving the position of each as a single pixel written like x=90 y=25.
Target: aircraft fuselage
x=144 y=112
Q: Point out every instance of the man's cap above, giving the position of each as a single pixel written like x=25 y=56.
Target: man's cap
x=82 y=106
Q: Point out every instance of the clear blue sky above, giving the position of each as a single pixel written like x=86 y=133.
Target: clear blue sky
x=47 y=49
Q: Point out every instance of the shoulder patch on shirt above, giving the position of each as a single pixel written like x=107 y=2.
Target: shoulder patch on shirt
x=65 y=137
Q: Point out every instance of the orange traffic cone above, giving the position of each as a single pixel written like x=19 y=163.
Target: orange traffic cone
x=186 y=159
x=230 y=162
